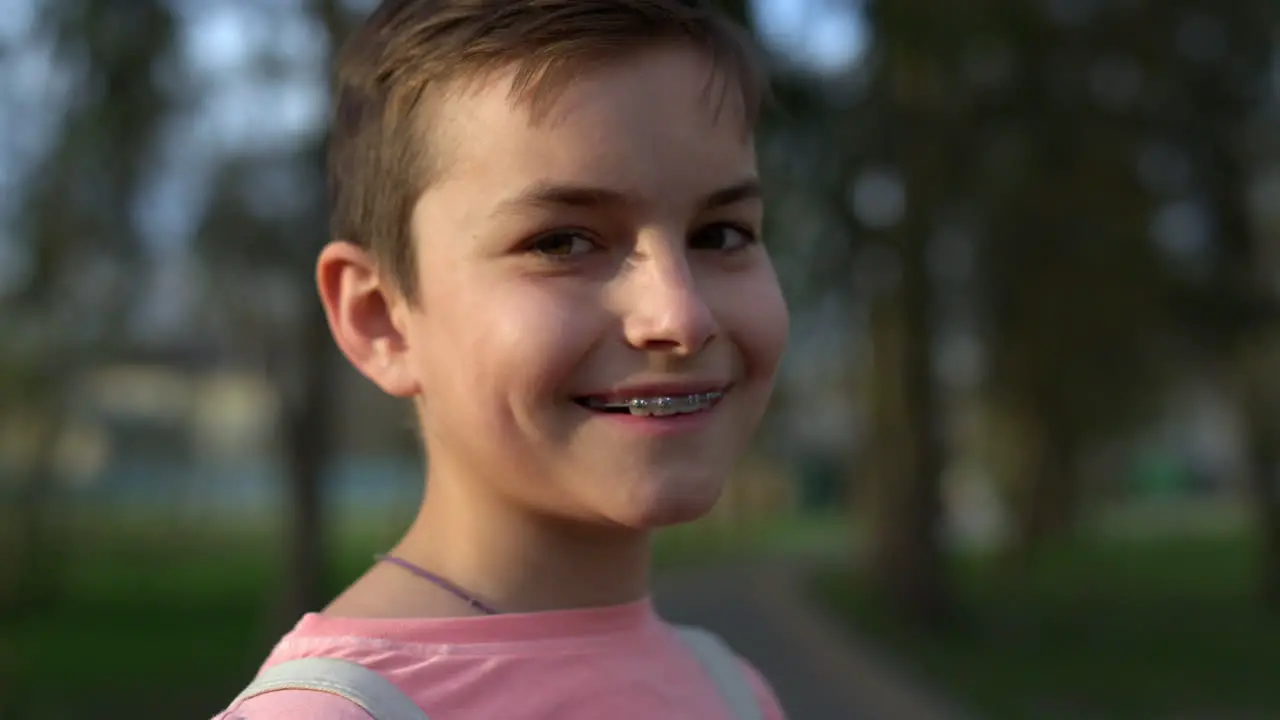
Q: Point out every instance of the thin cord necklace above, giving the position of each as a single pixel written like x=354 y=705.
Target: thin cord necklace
x=438 y=582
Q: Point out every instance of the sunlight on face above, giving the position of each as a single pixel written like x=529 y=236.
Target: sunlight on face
x=609 y=250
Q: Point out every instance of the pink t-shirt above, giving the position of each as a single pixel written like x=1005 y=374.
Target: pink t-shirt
x=622 y=662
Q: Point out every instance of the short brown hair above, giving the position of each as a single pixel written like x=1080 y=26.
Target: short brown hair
x=379 y=159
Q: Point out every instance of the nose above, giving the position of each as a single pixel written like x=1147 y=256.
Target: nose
x=666 y=311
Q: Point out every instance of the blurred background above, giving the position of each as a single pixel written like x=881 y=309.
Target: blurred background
x=1022 y=462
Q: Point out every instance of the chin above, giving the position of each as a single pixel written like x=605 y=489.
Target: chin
x=670 y=502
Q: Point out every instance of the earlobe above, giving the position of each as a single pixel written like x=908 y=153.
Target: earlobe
x=361 y=308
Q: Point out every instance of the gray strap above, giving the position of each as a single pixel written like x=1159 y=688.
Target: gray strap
x=373 y=693
x=725 y=670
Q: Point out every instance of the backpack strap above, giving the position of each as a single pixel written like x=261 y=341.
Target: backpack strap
x=372 y=692
x=725 y=670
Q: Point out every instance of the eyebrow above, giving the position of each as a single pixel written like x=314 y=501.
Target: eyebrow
x=555 y=195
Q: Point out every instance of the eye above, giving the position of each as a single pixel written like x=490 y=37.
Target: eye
x=726 y=237
x=562 y=244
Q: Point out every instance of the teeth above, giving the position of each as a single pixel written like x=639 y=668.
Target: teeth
x=664 y=405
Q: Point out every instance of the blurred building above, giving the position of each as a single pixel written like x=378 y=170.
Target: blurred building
x=156 y=422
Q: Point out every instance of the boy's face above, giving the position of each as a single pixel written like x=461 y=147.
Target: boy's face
x=571 y=262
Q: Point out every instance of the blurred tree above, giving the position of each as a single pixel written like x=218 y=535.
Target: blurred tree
x=77 y=222
x=905 y=133
x=739 y=10
x=255 y=245
x=1111 y=166
x=1222 y=56
x=1069 y=282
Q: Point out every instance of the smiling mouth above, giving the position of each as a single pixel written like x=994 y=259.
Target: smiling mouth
x=654 y=406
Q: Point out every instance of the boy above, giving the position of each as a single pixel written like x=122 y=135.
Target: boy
x=547 y=216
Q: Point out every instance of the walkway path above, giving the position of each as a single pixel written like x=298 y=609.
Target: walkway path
x=816 y=671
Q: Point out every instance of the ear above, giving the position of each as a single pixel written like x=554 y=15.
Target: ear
x=367 y=316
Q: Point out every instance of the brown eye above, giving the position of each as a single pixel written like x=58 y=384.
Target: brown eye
x=725 y=237
x=562 y=244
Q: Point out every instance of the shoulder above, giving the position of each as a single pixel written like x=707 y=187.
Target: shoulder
x=766 y=699
x=714 y=650
x=295 y=705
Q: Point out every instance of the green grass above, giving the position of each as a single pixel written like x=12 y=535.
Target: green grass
x=181 y=616
x=1161 y=627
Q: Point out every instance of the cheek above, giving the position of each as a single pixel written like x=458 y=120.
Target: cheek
x=757 y=321
x=515 y=347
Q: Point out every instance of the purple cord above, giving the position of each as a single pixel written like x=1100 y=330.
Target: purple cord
x=438 y=581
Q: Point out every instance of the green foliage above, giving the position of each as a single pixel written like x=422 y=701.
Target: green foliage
x=1103 y=628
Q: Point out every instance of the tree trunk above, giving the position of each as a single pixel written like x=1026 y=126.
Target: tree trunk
x=905 y=502
x=1254 y=356
x=308 y=439
x=309 y=426
x=1048 y=498
x=906 y=556
x=1262 y=453
x=1034 y=459
x=1264 y=464
x=35 y=562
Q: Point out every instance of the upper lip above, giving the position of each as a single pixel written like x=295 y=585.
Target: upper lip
x=657 y=389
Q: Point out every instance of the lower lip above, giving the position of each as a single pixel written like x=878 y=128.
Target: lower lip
x=660 y=424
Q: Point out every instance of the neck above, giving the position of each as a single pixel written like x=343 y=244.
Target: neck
x=518 y=561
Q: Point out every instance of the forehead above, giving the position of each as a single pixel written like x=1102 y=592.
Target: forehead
x=659 y=121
